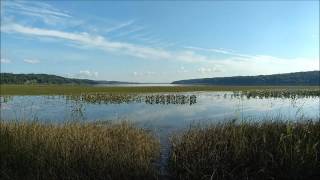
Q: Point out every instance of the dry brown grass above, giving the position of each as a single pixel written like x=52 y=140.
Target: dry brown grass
x=271 y=150
x=76 y=151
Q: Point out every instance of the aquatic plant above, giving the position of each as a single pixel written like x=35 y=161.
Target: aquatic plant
x=171 y=99
x=279 y=93
x=112 y=98
x=5 y=99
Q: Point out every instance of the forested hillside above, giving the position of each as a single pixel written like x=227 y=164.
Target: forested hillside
x=9 y=78
x=297 y=78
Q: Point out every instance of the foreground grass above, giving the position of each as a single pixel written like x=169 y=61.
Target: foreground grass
x=74 y=151
x=75 y=89
x=247 y=151
x=270 y=150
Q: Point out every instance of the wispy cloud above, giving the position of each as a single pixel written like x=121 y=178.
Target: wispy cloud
x=31 y=61
x=36 y=9
x=104 y=44
x=5 y=61
x=220 y=51
x=236 y=63
x=119 y=26
x=129 y=32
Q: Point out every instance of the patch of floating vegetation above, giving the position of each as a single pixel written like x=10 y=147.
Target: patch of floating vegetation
x=171 y=99
x=278 y=93
x=106 y=98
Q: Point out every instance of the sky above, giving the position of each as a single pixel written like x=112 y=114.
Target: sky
x=159 y=41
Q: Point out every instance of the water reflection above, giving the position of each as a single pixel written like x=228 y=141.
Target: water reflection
x=159 y=110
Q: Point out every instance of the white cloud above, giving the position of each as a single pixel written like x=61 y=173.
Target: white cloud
x=31 y=61
x=148 y=73
x=205 y=70
x=247 y=64
x=182 y=70
x=84 y=74
x=88 y=74
x=5 y=61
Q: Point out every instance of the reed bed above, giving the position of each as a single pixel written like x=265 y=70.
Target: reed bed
x=76 y=151
x=267 y=150
x=75 y=89
x=270 y=150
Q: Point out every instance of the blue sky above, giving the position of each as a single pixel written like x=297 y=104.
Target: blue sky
x=159 y=41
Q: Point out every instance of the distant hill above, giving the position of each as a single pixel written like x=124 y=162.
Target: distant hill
x=10 y=78
x=297 y=78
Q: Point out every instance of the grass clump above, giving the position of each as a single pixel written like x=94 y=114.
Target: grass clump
x=76 y=151
x=270 y=150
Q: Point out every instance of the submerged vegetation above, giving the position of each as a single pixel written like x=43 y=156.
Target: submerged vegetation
x=269 y=150
x=76 y=151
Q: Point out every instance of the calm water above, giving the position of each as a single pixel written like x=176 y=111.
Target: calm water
x=205 y=107
x=163 y=114
x=140 y=85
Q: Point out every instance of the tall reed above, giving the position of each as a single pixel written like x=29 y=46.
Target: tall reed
x=269 y=150
x=76 y=151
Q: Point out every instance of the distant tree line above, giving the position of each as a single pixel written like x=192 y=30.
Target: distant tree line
x=10 y=78
x=297 y=78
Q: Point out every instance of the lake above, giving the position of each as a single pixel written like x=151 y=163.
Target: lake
x=158 y=110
